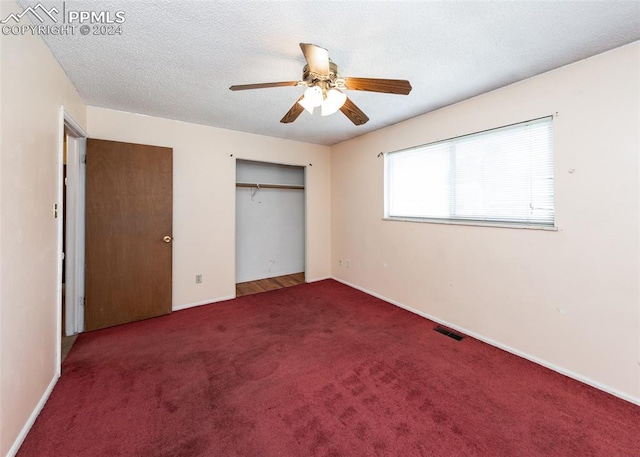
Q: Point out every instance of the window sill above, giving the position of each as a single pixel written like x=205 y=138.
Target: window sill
x=473 y=223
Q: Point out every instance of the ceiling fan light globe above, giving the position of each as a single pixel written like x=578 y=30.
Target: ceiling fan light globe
x=314 y=95
x=334 y=101
x=306 y=105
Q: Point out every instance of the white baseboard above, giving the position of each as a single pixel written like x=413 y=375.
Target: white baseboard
x=32 y=418
x=504 y=347
x=203 y=302
x=230 y=297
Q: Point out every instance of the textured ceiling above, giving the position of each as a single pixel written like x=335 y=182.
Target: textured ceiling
x=177 y=59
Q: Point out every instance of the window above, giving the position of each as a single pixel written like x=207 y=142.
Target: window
x=502 y=176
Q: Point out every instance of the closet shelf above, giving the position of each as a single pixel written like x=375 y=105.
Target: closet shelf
x=269 y=186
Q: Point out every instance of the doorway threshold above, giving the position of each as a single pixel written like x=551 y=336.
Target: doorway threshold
x=264 y=285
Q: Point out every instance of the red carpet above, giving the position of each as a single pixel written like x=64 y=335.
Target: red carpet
x=316 y=370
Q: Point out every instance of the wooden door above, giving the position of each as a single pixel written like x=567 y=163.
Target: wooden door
x=128 y=232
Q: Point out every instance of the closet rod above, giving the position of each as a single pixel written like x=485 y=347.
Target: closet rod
x=268 y=186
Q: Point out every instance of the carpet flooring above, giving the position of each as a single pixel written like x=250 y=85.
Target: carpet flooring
x=317 y=369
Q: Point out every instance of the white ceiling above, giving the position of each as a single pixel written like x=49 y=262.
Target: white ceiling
x=177 y=59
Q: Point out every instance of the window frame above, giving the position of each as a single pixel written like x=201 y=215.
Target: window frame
x=465 y=221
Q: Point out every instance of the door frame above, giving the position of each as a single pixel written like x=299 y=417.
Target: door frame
x=74 y=256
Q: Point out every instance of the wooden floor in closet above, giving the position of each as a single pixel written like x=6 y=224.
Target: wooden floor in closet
x=263 y=285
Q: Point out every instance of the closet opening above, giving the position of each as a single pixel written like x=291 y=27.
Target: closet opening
x=270 y=226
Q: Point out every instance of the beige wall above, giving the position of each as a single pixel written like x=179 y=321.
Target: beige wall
x=204 y=195
x=568 y=298
x=33 y=87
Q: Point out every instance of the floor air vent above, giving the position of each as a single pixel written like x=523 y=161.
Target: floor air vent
x=449 y=333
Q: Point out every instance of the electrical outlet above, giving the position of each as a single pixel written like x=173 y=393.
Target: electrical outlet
x=347 y=263
x=340 y=262
x=199 y=279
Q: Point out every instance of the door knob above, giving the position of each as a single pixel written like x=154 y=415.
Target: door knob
x=167 y=239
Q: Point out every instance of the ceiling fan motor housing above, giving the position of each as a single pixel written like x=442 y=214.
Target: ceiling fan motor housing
x=312 y=78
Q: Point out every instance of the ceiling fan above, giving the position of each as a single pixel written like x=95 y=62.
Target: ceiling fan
x=325 y=88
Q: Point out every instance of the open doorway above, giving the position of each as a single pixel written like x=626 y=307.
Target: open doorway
x=67 y=341
x=72 y=174
x=270 y=226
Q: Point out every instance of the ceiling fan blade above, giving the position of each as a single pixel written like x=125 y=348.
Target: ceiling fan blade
x=387 y=86
x=354 y=113
x=317 y=58
x=293 y=113
x=263 y=85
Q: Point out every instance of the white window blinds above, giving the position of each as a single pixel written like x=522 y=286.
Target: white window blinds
x=503 y=175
